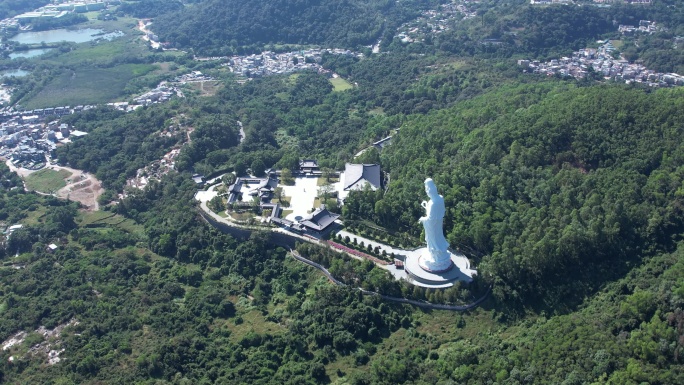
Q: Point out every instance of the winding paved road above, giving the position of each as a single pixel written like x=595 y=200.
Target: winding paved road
x=423 y=304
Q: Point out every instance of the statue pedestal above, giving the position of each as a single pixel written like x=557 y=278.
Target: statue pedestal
x=436 y=264
x=457 y=269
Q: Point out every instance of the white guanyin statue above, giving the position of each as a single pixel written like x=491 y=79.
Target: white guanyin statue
x=438 y=257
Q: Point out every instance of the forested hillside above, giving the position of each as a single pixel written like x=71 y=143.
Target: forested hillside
x=567 y=197
x=201 y=308
x=118 y=144
x=168 y=299
x=557 y=189
x=220 y=27
x=150 y=8
x=513 y=28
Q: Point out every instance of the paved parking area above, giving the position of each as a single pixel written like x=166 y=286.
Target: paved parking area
x=205 y=196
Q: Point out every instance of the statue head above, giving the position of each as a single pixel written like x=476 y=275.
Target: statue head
x=430 y=187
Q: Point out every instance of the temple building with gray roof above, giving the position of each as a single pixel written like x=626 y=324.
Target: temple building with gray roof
x=358 y=176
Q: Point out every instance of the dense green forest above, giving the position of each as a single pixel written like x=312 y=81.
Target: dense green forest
x=174 y=301
x=224 y=27
x=518 y=28
x=549 y=184
x=181 y=301
x=149 y=8
x=566 y=196
x=286 y=117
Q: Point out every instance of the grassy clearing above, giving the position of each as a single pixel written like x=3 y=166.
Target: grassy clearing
x=253 y=321
x=340 y=84
x=89 y=218
x=617 y=43
x=92 y=15
x=34 y=217
x=205 y=88
x=131 y=227
x=284 y=201
x=47 y=180
x=106 y=219
x=125 y=24
x=324 y=181
x=97 y=52
x=285 y=213
x=241 y=216
x=346 y=365
x=292 y=79
x=377 y=111
x=87 y=86
x=317 y=202
x=457 y=65
x=444 y=324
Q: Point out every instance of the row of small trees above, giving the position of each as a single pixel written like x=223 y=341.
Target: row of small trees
x=361 y=246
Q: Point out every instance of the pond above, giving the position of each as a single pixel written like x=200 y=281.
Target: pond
x=17 y=73
x=59 y=35
x=29 y=53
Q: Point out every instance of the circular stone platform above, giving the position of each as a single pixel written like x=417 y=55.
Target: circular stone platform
x=460 y=270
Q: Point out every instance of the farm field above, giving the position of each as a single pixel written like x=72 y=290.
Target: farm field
x=88 y=86
x=47 y=180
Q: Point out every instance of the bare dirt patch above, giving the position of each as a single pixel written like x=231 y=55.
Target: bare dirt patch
x=81 y=186
x=49 y=348
x=84 y=188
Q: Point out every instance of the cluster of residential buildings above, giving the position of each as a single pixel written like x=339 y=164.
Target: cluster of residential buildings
x=645 y=26
x=549 y=2
x=165 y=90
x=435 y=21
x=9 y=25
x=27 y=141
x=5 y=94
x=194 y=76
x=644 y=2
x=600 y=2
x=8 y=114
x=268 y=63
x=601 y=60
x=162 y=93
